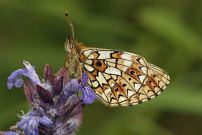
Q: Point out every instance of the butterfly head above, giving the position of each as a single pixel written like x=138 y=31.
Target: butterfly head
x=70 y=45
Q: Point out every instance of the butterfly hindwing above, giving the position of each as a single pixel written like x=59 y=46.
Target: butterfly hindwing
x=120 y=78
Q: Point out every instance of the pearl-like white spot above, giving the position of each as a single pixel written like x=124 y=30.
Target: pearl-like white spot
x=112 y=70
x=104 y=54
x=89 y=68
x=87 y=52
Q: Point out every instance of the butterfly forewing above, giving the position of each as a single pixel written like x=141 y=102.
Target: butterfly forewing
x=121 y=78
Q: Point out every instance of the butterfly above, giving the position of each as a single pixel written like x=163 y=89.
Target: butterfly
x=118 y=78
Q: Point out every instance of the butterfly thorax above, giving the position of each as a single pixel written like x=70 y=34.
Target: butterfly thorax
x=72 y=63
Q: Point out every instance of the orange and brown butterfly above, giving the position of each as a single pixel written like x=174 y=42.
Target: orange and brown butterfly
x=118 y=78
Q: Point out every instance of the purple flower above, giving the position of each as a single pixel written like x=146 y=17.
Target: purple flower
x=44 y=120
x=30 y=122
x=11 y=133
x=84 y=79
x=71 y=87
x=88 y=95
x=15 y=79
x=56 y=106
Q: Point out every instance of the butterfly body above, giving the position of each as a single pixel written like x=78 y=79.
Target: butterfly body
x=119 y=78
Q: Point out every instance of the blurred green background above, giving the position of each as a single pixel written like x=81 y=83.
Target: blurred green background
x=166 y=32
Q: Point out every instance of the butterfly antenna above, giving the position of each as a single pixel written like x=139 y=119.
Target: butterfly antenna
x=70 y=24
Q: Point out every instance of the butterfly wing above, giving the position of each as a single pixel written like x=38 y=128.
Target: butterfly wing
x=122 y=78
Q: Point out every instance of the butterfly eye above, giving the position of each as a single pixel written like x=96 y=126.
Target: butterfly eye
x=71 y=47
x=70 y=44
